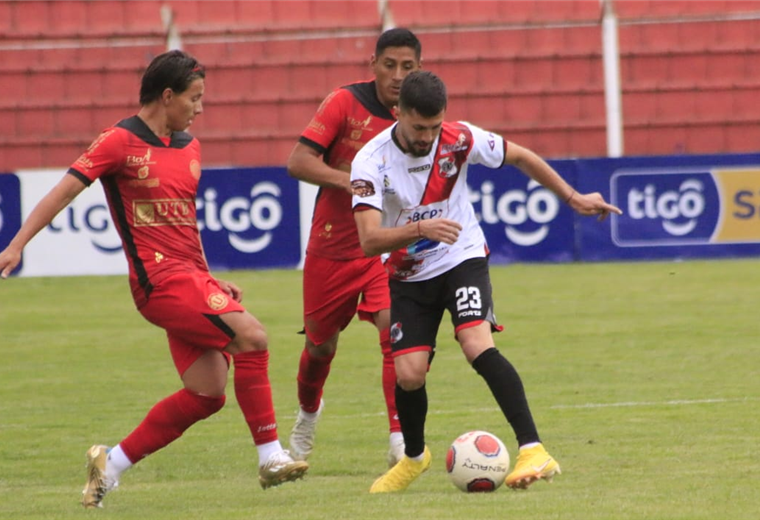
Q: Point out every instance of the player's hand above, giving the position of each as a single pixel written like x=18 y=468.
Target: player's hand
x=232 y=290
x=9 y=260
x=440 y=230
x=590 y=204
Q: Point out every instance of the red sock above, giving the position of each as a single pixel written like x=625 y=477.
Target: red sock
x=254 y=394
x=167 y=421
x=312 y=374
x=389 y=380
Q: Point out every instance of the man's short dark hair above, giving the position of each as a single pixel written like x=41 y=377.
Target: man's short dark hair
x=174 y=70
x=398 y=37
x=424 y=92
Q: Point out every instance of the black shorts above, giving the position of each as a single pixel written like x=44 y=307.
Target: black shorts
x=417 y=307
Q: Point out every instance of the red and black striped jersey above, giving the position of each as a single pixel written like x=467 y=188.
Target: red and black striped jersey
x=347 y=119
x=150 y=185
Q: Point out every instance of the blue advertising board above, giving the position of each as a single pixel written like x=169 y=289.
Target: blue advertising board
x=673 y=207
x=249 y=218
x=522 y=221
x=10 y=208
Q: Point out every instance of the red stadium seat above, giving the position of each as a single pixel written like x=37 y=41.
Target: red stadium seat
x=262 y=116
x=8 y=118
x=13 y=85
x=293 y=117
x=225 y=116
x=35 y=122
x=483 y=111
x=593 y=105
x=588 y=141
x=106 y=17
x=6 y=17
x=21 y=155
x=639 y=106
x=66 y=18
x=27 y=20
x=707 y=138
x=688 y=69
x=563 y=108
x=524 y=109
x=745 y=102
x=742 y=137
x=142 y=17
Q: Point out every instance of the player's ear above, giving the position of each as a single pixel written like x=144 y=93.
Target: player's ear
x=167 y=95
x=396 y=111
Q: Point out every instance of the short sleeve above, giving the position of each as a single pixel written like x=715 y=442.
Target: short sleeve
x=326 y=124
x=103 y=157
x=488 y=148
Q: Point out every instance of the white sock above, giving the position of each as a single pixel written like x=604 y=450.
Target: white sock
x=116 y=463
x=266 y=450
x=419 y=457
x=530 y=445
x=396 y=438
x=309 y=416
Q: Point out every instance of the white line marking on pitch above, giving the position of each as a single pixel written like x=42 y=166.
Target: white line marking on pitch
x=675 y=402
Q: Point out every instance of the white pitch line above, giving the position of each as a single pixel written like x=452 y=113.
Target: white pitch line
x=674 y=402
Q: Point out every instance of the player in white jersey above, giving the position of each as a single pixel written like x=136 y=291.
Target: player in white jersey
x=411 y=205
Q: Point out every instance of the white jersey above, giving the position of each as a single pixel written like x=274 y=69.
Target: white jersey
x=408 y=189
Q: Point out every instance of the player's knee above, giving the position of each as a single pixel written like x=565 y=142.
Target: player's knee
x=410 y=381
x=410 y=385
x=324 y=349
x=251 y=337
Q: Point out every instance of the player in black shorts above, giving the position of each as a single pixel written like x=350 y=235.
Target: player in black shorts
x=411 y=204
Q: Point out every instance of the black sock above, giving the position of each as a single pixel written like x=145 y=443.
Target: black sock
x=412 y=410
x=507 y=388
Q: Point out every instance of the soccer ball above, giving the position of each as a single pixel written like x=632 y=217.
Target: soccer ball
x=477 y=461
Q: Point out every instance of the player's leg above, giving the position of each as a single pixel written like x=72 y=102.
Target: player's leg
x=330 y=297
x=313 y=369
x=411 y=399
x=416 y=313
x=177 y=305
x=250 y=356
x=471 y=308
x=375 y=307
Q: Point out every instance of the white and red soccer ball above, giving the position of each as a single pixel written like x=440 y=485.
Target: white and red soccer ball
x=477 y=461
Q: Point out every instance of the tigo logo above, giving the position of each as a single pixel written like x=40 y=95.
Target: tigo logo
x=686 y=206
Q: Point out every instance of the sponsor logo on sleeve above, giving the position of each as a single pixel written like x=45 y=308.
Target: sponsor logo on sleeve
x=362 y=188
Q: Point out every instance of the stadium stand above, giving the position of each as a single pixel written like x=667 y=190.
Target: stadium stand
x=531 y=70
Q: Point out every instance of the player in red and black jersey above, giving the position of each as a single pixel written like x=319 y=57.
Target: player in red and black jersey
x=149 y=168
x=338 y=279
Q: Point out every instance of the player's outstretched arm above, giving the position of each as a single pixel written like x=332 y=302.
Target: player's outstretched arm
x=536 y=168
x=306 y=164
x=45 y=211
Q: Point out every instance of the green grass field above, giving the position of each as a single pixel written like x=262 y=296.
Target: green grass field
x=644 y=380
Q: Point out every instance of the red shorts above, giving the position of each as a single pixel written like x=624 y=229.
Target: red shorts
x=187 y=306
x=334 y=290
